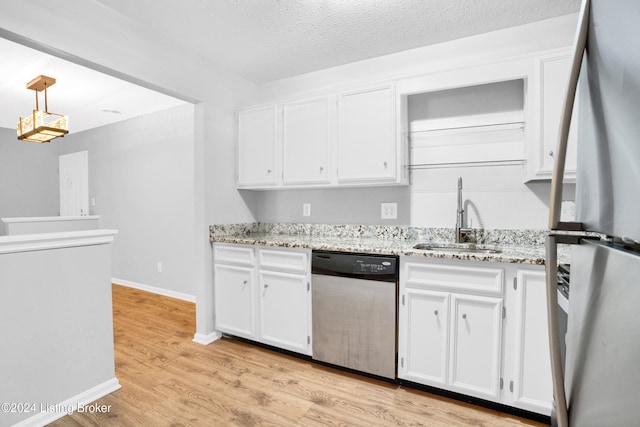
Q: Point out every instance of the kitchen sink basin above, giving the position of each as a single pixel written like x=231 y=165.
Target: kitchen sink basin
x=460 y=247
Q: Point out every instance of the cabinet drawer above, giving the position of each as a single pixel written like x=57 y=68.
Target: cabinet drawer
x=454 y=278
x=233 y=254
x=284 y=260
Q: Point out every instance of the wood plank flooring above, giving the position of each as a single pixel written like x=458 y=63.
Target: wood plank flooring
x=167 y=380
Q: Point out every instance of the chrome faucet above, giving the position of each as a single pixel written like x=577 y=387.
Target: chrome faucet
x=460 y=213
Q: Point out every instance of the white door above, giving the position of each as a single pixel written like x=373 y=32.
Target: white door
x=533 y=388
x=424 y=337
x=257 y=137
x=306 y=139
x=366 y=136
x=235 y=302
x=284 y=310
x=476 y=324
x=74 y=184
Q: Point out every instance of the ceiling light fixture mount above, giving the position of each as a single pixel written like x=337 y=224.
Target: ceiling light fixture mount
x=42 y=126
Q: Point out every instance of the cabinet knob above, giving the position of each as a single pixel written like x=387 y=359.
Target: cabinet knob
x=435 y=312
x=321 y=169
x=385 y=164
x=464 y=315
x=244 y=282
x=268 y=171
x=266 y=286
x=551 y=153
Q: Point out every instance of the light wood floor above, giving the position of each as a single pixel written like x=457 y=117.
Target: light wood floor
x=167 y=380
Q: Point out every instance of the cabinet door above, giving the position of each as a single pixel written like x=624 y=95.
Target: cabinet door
x=257 y=147
x=235 y=304
x=532 y=385
x=306 y=141
x=284 y=310
x=367 y=147
x=424 y=337
x=476 y=325
x=549 y=94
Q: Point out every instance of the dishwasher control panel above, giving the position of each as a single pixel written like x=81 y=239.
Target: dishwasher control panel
x=371 y=267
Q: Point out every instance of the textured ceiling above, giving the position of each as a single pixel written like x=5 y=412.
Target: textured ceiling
x=260 y=40
x=266 y=40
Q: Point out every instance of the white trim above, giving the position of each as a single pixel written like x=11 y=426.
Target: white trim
x=84 y=398
x=154 y=289
x=48 y=218
x=206 y=339
x=43 y=241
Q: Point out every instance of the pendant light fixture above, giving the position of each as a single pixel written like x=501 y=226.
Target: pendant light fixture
x=42 y=126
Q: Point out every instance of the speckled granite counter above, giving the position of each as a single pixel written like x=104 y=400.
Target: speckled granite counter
x=516 y=246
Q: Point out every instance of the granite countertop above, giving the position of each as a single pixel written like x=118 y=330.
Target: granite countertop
x=390 y=241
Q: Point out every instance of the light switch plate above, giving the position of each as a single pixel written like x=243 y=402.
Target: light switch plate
x=389 y=210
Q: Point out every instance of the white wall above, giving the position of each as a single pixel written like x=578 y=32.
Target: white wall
x=28 y=177
x=141 y=178
x=147 y=56
x=55 y=322
x=333 y=206
x=499 y=197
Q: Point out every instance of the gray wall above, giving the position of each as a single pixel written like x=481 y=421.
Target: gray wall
x=141 y=177
x=28 y=177
x=339 y=205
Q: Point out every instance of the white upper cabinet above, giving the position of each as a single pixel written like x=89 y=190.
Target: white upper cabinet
x=306 y=142
x=502 y=113
x=257 y=147
x=367 y=136
x=348 y=139
x=548 y=87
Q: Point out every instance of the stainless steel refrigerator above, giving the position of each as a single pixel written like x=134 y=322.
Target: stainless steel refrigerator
x=600 y=385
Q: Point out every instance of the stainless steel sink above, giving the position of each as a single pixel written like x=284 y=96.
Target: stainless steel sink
x=459 y=247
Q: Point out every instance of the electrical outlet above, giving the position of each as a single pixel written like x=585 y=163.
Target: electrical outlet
x=306 y=209
x=159 y=267
x=389 y=210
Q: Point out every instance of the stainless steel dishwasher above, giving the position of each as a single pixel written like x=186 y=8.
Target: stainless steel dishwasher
x=354 y=311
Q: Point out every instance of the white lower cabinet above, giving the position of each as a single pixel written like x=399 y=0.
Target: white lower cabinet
x=235 y=300
x=263 y=294
x=424 y=336
x=284 y=310
x=462 y=329
x=476 y=324
x=448 y=338
x=530 y=381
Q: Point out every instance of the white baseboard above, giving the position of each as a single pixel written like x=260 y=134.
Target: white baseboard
x=206 y=339
x=154 y=289
x=70 y=405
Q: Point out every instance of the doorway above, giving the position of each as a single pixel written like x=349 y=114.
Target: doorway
x=74 y=184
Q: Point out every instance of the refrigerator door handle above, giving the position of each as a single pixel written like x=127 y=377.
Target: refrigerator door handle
x=551 y=267
x=563 y=136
